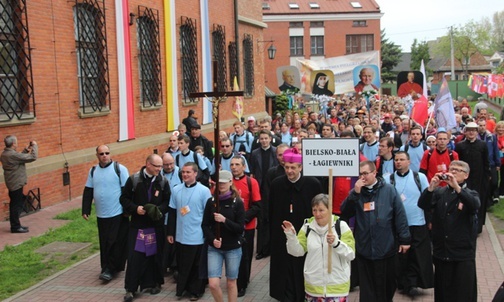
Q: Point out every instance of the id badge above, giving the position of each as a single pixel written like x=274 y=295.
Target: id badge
x=156 y=194
x=403 y=197
x=184 y=210
x=369 y=206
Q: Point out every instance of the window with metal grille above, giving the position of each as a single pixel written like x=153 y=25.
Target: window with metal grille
x=17 y=100
x=189 y=59
x=92 y=55
x=219 y=53
x=233 y=63
x=316 y=23
x=150 y=57
x=296 y=24
x=296 y=45
x=248 y=65
x=359 y=43
x=317 y=45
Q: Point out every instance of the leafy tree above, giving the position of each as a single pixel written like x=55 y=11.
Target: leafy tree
x=390 y=57
x=463 y=45
x=419 y=52
x=497 y=34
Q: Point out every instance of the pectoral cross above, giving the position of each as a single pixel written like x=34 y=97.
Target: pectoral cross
x=216 y=97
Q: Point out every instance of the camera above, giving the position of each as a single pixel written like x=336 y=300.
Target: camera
x=444 y=176
x=31 y=143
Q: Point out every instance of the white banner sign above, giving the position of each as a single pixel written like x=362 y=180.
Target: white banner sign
x=342 y=67
x=339 y=154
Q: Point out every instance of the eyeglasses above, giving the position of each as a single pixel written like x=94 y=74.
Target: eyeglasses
x=156 y=166
x=456 y=170
x=365 y=173
x=104 y=153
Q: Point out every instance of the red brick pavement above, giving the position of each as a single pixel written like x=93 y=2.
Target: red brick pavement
x=80 y=282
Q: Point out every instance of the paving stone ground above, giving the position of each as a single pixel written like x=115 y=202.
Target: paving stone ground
x=80 y=282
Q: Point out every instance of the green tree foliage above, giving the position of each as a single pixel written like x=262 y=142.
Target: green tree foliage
x=497 y=35
x=419 y=52
x=390 y=57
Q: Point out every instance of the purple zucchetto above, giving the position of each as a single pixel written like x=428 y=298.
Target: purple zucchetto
x=292 y=156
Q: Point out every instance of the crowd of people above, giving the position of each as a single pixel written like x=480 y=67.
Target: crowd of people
x=419 y=202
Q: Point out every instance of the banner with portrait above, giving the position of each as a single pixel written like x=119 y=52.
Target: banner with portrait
x=342 y=68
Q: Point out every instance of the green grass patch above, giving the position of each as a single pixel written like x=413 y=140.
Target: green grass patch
x=21 y=267
x=498 y=209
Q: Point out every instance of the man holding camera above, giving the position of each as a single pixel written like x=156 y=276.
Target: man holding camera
x=454 y=233
x=13 y=164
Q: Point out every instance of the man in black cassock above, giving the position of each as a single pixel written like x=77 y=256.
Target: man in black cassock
x=454 y=233
x=290 y=199
x=475 y=152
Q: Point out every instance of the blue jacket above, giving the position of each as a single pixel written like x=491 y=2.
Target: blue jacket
x=376 y=231
x=493 y=149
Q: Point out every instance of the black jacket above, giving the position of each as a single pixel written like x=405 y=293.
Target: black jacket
x=131 y=198
x=232 y=229
x=454 y=222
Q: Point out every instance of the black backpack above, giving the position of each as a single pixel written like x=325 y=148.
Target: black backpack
x=116 y=168
x=415 y=177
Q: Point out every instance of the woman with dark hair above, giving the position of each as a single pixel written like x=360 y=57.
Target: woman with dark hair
x=226 y=246
x=321 y=84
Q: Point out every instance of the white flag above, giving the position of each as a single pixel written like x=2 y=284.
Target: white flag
x=443 y=107
x=422 y=70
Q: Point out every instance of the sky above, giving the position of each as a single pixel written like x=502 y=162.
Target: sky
x=427 y=20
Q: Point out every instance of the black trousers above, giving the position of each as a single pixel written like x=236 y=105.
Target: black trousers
x=15 y=207
x=143 y=271
x=246 y=260
x=188 y=260
x=415 y=267
x=263 y=236
x=377 y=279
x=113 y=236
x=455 y=281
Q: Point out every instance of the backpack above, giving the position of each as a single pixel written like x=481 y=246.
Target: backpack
x=245 y=132
x=337 y=226
x=135 y=178
x=415 y=177
x=116 y=169
x=424 y=146
x=450 y=153
x=202 y=177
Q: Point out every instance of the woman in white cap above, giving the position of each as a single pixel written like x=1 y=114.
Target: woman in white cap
x=229 y=217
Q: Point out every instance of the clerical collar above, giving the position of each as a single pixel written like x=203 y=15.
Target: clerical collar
x=190 y=185
x=266 y=149
x=147 y=174
x=240 y=177
x=403 y=174
x=371 y=186
x=294 y=181
x=472 y=141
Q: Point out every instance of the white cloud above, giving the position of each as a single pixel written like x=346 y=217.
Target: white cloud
x=425 y=20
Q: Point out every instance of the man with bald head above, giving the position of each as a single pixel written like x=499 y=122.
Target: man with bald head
x=145 y=197
x=104 y=184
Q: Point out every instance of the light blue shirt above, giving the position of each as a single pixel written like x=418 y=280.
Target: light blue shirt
x=173 y=177
x=416 y=154
x=242 y=140
x=107 y=190
x=193 y=200
x=189 y=158
x=287 y=138
x=409 y=194
x=370 y=152
x=226 y=164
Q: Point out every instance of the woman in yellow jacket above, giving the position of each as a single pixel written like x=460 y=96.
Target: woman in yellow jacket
x=313 y=240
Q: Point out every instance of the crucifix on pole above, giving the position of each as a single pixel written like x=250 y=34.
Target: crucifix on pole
x=215 y=97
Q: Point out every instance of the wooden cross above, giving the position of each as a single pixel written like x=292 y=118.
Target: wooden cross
x=217 y=97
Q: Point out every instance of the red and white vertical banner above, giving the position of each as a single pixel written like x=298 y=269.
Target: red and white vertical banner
x=126 y=106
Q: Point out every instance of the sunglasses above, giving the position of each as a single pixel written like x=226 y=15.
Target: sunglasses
x=104 y=153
